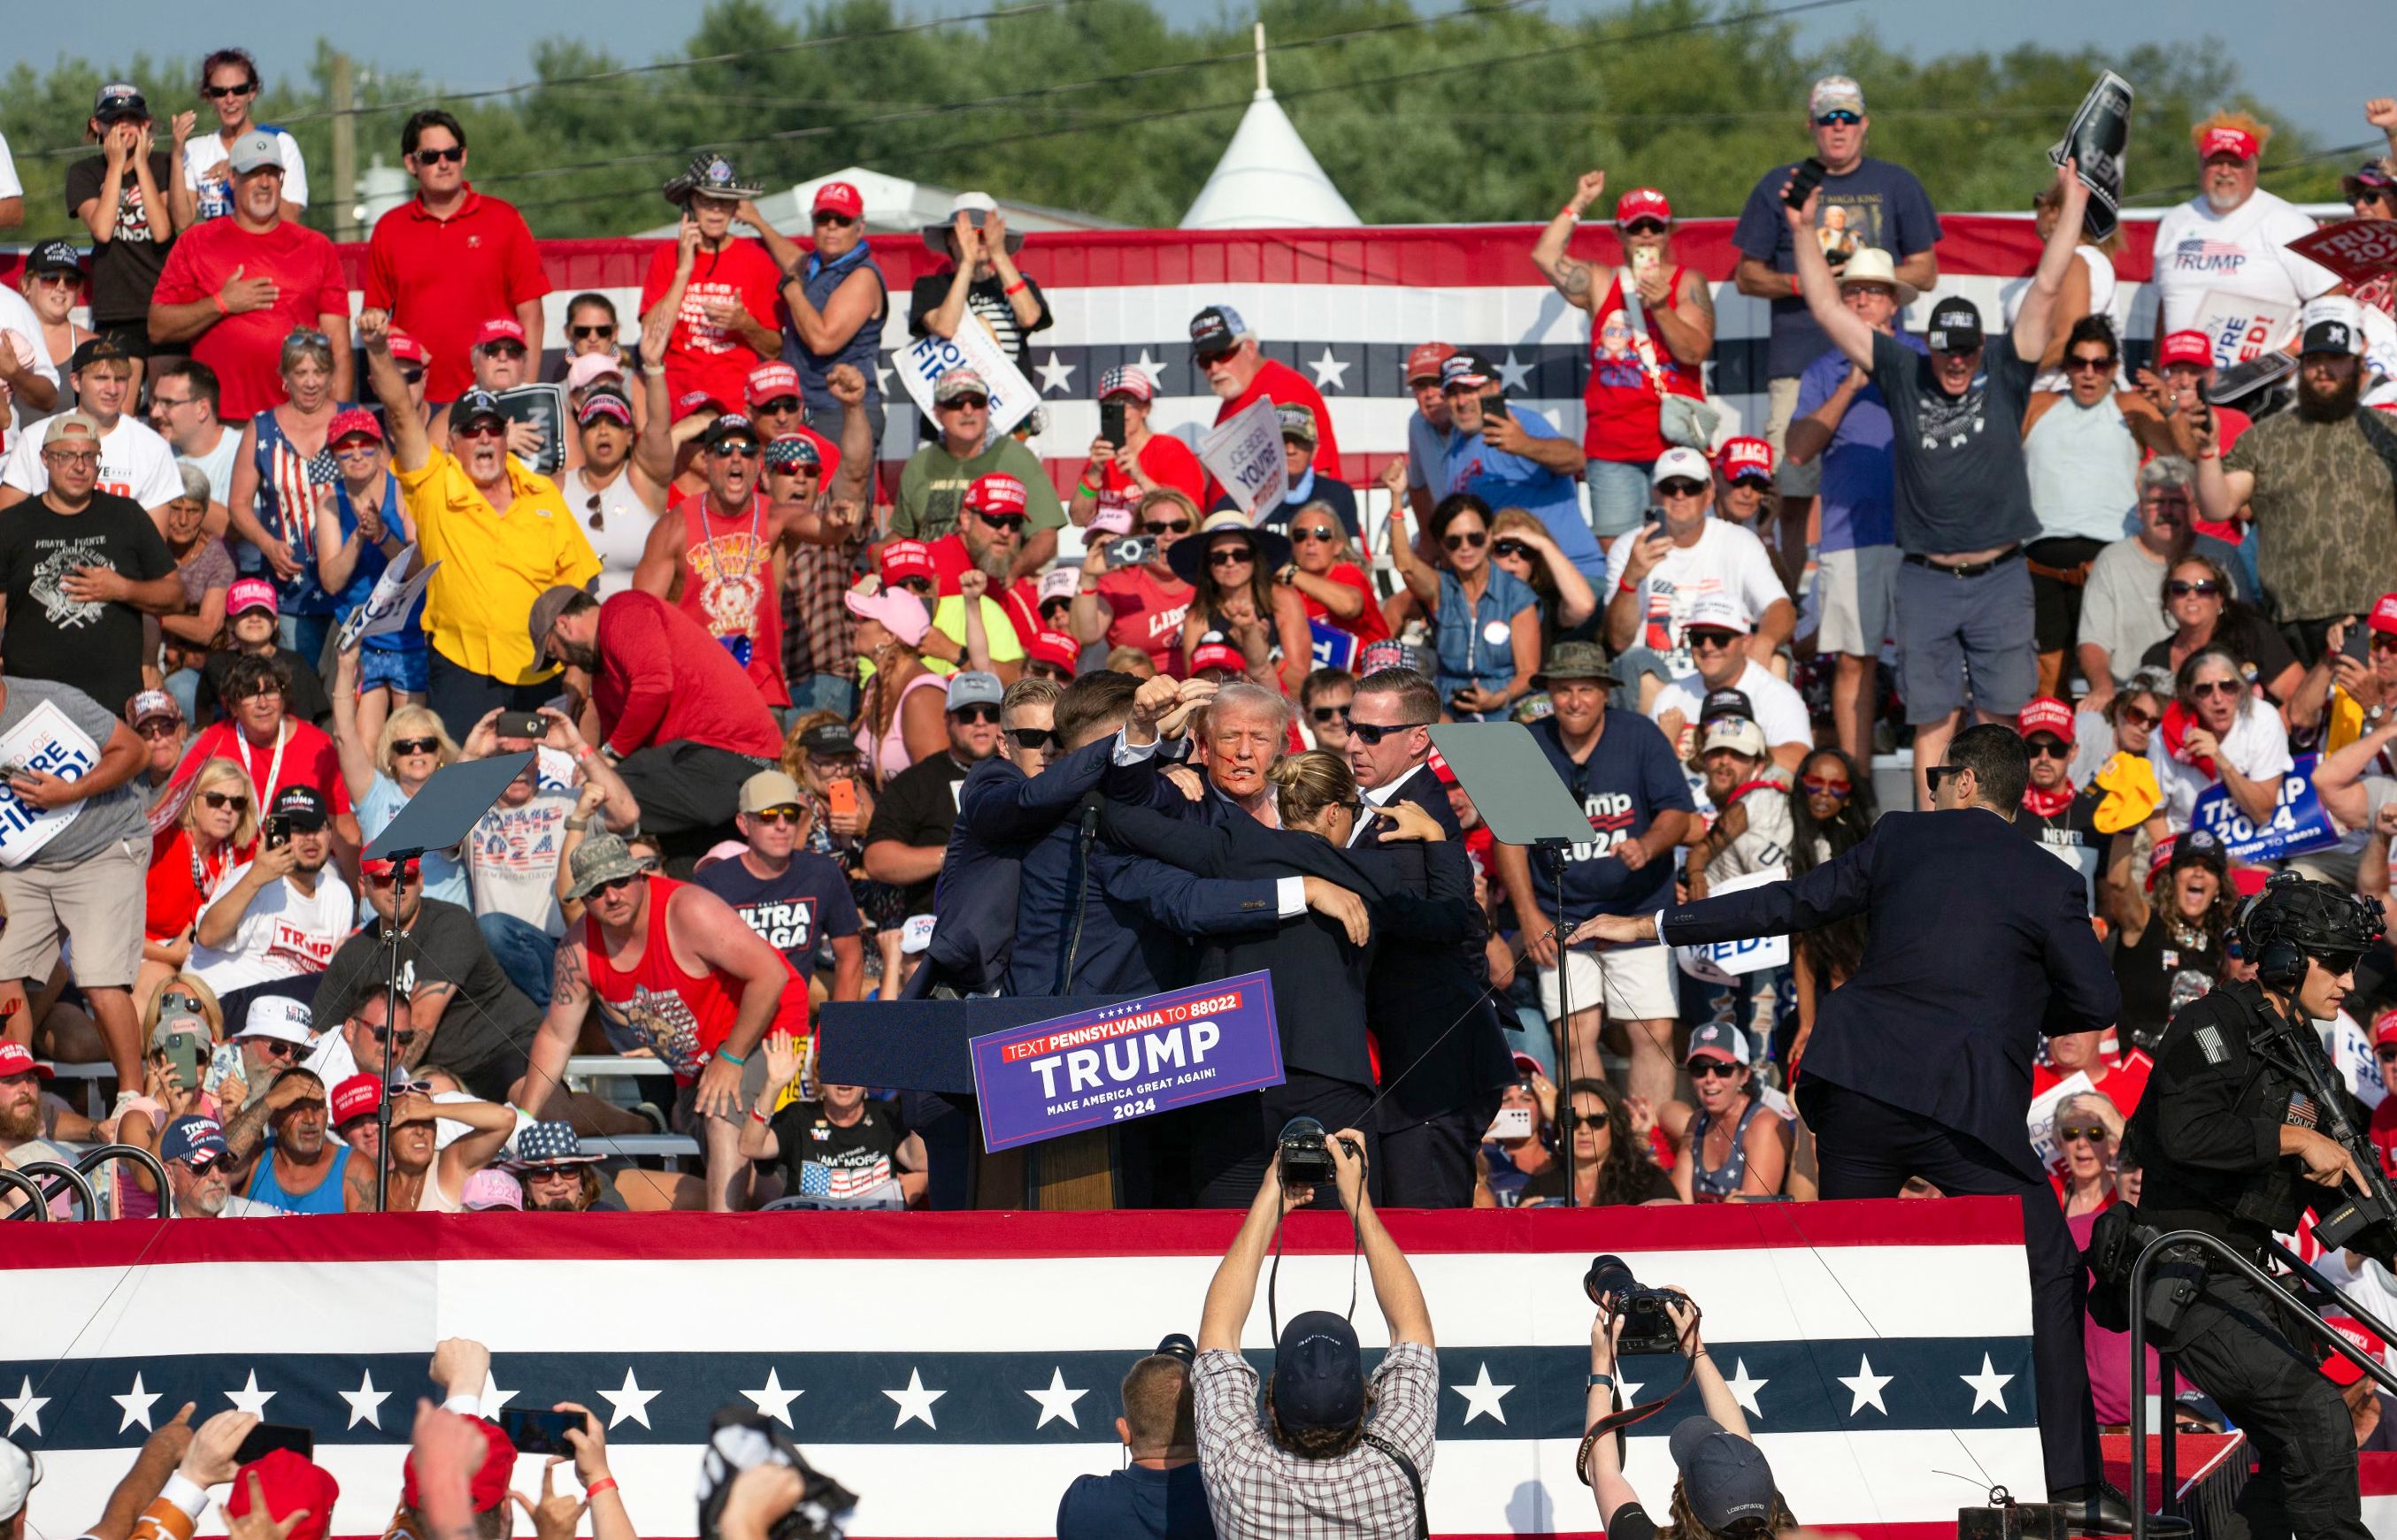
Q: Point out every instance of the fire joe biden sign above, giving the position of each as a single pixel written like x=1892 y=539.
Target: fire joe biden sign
x=1131 y=1059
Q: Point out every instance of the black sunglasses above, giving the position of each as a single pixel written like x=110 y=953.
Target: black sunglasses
x=581 y=334
x=454 y=154
x=1331 y=713
x=1372 y=733
x=1236 y=556
x=1681 y=487
x=1939 y=773
x=218 y=93
x=1328 y=537
x=2204 y=588
x=977 y=402
x=2048 y=748
x=1645 y=227
x=1841 y=118
x=1005 y=523
x=1035 y=739
x=778 y=404
x=1509 y=548
x=416 y=746
x=827 y=217
x=1473 y=538
x=978 y=713
x=1167 y=526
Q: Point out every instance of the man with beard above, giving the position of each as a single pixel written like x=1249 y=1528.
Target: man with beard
x=301 y=1169
x=193 y=1151
x=2233 y=237
x=23 y=1113
x=717 y=550
x=1227 y=354
x=933 y=485
x=427 y=1178
x=989 y=535
x=2318 y=482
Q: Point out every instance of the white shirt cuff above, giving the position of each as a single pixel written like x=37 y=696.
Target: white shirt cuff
x=1129 y=752
x=187 y=1495
x=464 y=1404
x=1657 y=920
x=1291 y=893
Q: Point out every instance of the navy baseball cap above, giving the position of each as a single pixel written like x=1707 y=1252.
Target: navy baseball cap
x=1318 y=1376
x=188 y=1137
x=1725 y=1476
x=1216 y=329
x=475 y=405
x=1955 y=326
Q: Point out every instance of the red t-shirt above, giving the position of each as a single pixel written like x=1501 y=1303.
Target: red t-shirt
x=1149 y=611
x=174 y=897
x=308 y=759
x=728 y=588
x=701 y=355
x=1021 y=599
x=662 y=678
x=1168 y=461
x=246 y=350
x=441 y=279
x=1369 y=626
x=1284 y=386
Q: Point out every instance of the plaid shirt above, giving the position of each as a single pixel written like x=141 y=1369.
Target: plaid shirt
x=815 y=622
x=1257 y=1489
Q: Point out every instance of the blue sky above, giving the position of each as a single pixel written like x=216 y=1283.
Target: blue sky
x=2316 y=60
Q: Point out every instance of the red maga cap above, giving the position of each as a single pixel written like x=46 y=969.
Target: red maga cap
x=1643 y=202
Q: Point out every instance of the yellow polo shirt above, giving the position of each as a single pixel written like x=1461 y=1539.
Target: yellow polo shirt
x=493 y=566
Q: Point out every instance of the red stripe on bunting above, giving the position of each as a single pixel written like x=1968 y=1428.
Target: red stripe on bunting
x=952 y=1237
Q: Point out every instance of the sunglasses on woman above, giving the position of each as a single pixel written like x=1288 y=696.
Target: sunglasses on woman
x=220 y=801
x=1517 y=550
x=1706 y=1068
x=1166 y=526
x=2093 y=1134
x=219 y=93
x=1459 y=542
x=416 y=746
x=1309 y=536
x=2200 y=689
x=1815 y=785
x=2137 y=718
x=584 y=334
x=1230 y=558
x=2204 y=588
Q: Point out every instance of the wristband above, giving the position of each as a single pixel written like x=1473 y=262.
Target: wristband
x=729 y=1058
x=1626 y=586
x=582 y=751
x=218 y=301
x=1570 y=212
x=1597 y=1380
x=1016 y=288
x=605 y=1484
x=578 y=823
x=759 y=1117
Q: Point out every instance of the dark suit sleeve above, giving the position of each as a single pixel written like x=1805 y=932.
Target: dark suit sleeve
x=1003 y=809
x=1447 y=913
x=2083 y=995
x=1834 y=891
x=1201 y=849
x=1187 y=905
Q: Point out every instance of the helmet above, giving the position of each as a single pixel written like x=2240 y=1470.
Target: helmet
x=2293 y=919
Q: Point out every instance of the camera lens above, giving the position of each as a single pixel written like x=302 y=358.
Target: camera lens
x=1608 y=1275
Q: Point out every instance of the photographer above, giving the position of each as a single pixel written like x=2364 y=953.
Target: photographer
x=1330 y=1452
x=1725 y=1486
x=2234 y=1142
x=1160 y=1491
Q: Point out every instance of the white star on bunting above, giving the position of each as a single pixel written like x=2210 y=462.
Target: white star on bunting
x=1483 y=1398
x=914 y=1402
x=1331 y=373
x=1514 y=375
x=1989 y=1385
x=136 y=1404
x=249 y=1397
x=1151 y=368
x=493 y=1396
x=1865 y=1387
x=1055 y=1401
x=366 y=1403
x=25 y=1410
x=773 y=1400
x=1055 y=374
x=1744 y=1389
x=630 y=1401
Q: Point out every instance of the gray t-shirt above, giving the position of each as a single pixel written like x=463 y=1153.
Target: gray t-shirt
x=1962 y=484
x=106 y=819
x=2122 y=609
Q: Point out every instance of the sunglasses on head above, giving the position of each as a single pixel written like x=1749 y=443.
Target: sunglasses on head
x=1706 y=1068
x=2044 y=747
x=1329 y=713
x=1681 y=487
x=2094 y=1133
x=975 y=714
x=176 y=1002
x=1815 y=785
x=584 y=334
x=2204 y=588
x=1372 y=733
x=455 y=153
x=221 y=800
x=1463 y=539
x=1033 y=740
x=785 y=815
x=1840 y=118
x=219 y=93
x=2199 y=689
x=1166 y=526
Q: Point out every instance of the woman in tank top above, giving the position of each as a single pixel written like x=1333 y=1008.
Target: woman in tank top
x=618 y=488
x=425 y=1179
x=280 y=451
x=1737 y=1147
x=2169 y=930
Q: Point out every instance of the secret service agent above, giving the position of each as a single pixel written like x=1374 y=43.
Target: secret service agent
x=2232 y=1138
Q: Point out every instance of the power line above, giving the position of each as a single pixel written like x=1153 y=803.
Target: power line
x=2341 y=152
x=1680 y=30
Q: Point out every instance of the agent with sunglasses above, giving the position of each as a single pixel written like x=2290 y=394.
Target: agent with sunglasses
x=1878 y=204
x=1651 y=326
x=233 y=289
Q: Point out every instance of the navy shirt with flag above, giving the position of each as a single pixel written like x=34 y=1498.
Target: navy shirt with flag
x=1630 y=778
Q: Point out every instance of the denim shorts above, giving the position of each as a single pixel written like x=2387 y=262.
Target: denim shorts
x=1619 y=495
x=401 y=669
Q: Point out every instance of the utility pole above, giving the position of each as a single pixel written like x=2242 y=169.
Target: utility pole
x=345 y=151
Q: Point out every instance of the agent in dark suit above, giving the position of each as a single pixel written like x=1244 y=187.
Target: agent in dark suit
x=1978 y=942
x=1320 y=965
x=1443 y=1055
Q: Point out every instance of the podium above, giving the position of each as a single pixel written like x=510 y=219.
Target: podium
x=918 y=1046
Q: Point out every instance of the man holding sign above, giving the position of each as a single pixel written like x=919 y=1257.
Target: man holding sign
x=932 y=486
x=2232 y=238
x=74 y=848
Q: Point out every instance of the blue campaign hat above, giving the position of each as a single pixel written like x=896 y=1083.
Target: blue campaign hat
x=550 y=1144
x=1319 y=1375
x=191 y=1136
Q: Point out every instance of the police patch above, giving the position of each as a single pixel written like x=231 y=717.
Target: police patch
x=2210 y=1040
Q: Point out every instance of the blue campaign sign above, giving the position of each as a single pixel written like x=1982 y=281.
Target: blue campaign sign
x=1333 y=648
x=1129 y=1060
x=2299 y=822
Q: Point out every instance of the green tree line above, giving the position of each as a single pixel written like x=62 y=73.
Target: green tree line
x=1486 y=111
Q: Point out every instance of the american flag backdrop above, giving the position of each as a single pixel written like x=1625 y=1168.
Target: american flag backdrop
x=957 y=1371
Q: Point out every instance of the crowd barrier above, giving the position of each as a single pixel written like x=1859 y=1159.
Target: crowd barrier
x=958 y=1370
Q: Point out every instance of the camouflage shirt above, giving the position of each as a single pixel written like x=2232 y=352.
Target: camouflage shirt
x=2325 y=510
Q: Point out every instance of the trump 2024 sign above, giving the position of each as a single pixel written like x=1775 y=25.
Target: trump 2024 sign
x=1131 y=1059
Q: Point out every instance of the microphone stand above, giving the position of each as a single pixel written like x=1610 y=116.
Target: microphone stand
x=1564 y=1032
x=403 y=868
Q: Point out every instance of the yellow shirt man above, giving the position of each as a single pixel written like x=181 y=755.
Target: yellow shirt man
x=493 y=566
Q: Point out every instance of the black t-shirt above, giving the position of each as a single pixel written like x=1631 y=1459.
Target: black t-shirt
x=123 y=270
x=487 y=1022
x=985 y=300
x=916 y=809
x=95 y=647
x=307 y=699
x=1135 y=1501
x=822 y=1160
x=1961 y=482
x=2251 y=639
x=797 y=912
x=1631 y=1522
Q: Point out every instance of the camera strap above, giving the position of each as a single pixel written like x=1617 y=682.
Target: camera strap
x=1614 y=1422
x=1414 y=1479
x=1273 y=1277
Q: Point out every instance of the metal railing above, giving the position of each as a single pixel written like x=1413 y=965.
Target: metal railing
x=94 y=1159
x=38 y=1201
x=2262 y=1280
x=48 y=1175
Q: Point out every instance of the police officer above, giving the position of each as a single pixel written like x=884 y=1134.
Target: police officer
x=2232 y=1135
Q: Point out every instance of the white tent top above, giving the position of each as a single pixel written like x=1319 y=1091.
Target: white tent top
x=1268 y=177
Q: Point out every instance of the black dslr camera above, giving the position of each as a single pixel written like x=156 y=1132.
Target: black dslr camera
x=1306 y=1152
x=1647 y=1319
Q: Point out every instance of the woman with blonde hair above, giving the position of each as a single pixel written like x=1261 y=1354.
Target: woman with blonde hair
x=292 y=434
x=411 y=747
x=903 y=716
x=188 y=861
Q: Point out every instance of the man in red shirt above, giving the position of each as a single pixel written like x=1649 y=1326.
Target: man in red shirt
x=989 y=533
x=1118 y=473
x=2185 y=360
x=678 y=717
x=233 y=289
x=719 y=291
x=778 y=406
x=450 y=257
x=1224 y=351
x=718 y=548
